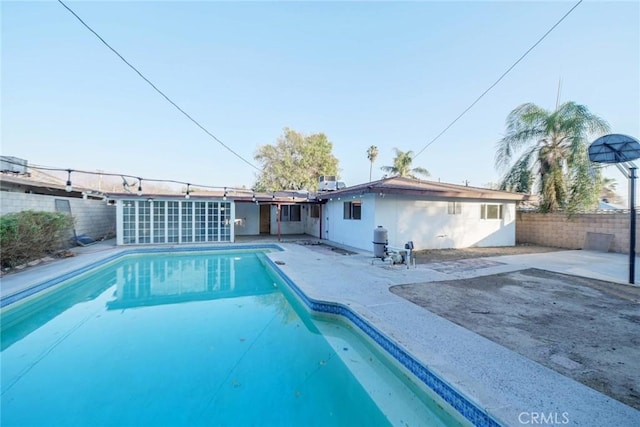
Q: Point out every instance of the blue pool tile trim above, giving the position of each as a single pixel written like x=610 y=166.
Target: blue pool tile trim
x=466 y=408
x=20 y=295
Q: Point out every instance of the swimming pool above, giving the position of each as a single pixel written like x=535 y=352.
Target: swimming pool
x=195 y=338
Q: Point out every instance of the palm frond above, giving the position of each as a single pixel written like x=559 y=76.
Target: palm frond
x=525 y=124
x=520 y=177
x=421 y=171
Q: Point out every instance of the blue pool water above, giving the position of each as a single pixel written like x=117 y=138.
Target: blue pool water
x=193 y=339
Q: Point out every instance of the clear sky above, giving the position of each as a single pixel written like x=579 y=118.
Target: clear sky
x=390 y=74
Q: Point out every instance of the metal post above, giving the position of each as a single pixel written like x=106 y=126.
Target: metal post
x=278 y=207
x=632 y=225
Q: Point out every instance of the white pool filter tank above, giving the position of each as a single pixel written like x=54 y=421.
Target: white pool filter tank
x=380 y=241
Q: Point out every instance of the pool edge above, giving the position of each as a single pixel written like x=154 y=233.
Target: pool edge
x=470 y=411
x=463 y=405
x=12 y=298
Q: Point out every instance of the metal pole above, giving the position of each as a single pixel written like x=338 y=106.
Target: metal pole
x=320 y=218
x=632 y=226
x=278 y=207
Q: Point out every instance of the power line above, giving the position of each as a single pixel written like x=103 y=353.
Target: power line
x=499 y=79
x=158 y=90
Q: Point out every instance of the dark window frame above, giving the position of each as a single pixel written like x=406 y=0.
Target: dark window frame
x=352 y=210
x=314 y=211
x=454 y=208
x=290 y=213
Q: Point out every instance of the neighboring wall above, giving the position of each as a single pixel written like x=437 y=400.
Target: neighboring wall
x=93 y=218
x=557 y=230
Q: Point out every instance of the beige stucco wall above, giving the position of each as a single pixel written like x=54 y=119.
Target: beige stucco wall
x=558 y=230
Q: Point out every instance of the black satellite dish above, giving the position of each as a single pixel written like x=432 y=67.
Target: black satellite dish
x=614 y=148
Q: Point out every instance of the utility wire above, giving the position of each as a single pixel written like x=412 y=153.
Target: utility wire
x=499 y=79
x=158 y=90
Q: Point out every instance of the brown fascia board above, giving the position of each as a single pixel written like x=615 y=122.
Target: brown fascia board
x=423 y=189
x=238 y=199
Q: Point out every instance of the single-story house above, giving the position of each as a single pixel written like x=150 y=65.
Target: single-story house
x=432 y=215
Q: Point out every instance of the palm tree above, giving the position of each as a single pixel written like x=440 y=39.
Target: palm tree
x=555 y=153
x=372 y=155
x=402 y=165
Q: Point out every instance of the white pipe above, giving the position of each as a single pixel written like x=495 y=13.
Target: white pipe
x=407 y=259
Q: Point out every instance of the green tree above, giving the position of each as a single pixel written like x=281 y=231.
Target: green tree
x=372 y=155
x=402 y=165
x=295 y=162
x=554 y=150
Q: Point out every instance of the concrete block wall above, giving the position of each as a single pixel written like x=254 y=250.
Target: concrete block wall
x=557 y=230
x=93 y=218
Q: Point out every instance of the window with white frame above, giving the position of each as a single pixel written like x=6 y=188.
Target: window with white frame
x=314 y=211
x=212 y=217
x=159 y=225
x=454 y=208
x=290 y=213
x=201 y=221
x=224 y=222
x=187 y=222
x=160 y=221
x=352 y=210
x=173 y=222
x=128 y=222
x=490 y=211
x=144 y=222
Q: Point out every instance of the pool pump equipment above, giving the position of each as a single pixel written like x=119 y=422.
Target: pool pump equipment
x=386 y=253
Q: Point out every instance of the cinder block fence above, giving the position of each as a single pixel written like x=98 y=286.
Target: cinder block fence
x=558 y=230
x=93 y=218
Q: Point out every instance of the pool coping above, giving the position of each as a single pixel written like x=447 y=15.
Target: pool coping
x=463 y=405
x=513 y=389
x=499 y=383
x=8 y=299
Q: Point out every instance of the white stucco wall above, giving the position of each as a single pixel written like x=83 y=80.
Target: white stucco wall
x=350 y=232
x=248 y=215
x=429 y=225
x=311 y=225
x=287 y=227
x=425 y=222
